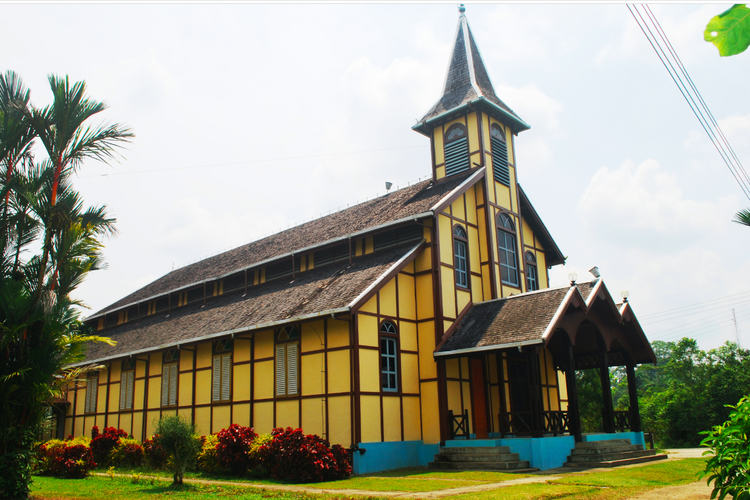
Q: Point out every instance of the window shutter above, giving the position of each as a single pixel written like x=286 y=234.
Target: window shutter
x=291 y=360
x=124 y=390
x=172 y=385
x=280 y=370
x=226 y=366
x=129 y=389
x=87 y=402
x=456 y=156
x=216 y=382
x=165 y=385
x=94 y=387
x=500 y=168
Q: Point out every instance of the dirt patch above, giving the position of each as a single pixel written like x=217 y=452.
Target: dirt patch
x=692 y=491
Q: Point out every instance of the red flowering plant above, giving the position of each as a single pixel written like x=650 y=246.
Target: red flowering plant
x=59 y=458
x=293 y=456
x=103 y=443
x=155 y=454
x=233 y=447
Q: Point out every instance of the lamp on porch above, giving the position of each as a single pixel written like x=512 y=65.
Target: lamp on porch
x=573 y=277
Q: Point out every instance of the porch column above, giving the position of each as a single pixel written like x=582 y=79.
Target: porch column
x=608 y=410
x=574 y=417
x=442 y=387
x=635 y=412
x=535 y=394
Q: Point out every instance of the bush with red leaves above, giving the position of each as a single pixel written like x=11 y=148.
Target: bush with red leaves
x=293 y=456
x=232 y=448
x=61 y=459
x=154 y=453
x=103 y=444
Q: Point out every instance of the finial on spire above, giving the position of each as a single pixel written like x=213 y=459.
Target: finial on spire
x=462 y=9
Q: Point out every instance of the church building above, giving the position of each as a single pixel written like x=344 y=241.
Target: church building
x=399 y=327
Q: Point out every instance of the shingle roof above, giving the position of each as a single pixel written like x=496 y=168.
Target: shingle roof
x=467 y=81
x=397 y=205
x=321 y=290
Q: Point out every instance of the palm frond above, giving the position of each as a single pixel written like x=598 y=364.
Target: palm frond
x=742 y=217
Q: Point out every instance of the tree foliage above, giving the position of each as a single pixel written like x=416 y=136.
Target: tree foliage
x=177 y=437
x=49 y=242
x=730 y=30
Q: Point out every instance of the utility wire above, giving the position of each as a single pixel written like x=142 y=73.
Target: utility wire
x=669 y=59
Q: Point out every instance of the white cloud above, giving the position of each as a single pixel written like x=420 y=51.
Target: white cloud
x=533 y=105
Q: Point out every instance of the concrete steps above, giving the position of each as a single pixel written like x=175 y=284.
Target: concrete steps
x=611 y=453
x=497 y=458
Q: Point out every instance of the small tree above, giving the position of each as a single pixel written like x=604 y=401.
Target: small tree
x=729 y=467
x=177 y=437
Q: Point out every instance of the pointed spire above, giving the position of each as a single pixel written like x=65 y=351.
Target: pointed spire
x=467 y=82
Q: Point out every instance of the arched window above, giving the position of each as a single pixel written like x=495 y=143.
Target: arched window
x=460 y=262
x=287 y=361
x=532 y=279
x=456 y=150
x=222 y=374
x=169 y=378
x=126 y=384
x=500 y=168
x=388 y=356
x=506 y=243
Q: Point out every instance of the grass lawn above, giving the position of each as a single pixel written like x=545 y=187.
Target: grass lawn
x=608 y=485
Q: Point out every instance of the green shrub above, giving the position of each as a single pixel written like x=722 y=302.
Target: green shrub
x=208 y=461
x=254 y=453
x=177 y=437
x=127 y=452
x=729 y=467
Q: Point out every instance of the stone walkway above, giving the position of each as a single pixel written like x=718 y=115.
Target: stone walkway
x=692 y=491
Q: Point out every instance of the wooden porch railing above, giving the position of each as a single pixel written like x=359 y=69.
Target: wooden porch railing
x=520 y=423
x=622 y=420
x=458 y=424
x=556 y=422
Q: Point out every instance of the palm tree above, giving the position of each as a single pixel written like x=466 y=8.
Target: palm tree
x=742 y=217
x=68 y=142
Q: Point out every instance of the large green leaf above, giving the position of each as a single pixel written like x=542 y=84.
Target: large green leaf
x=730 y=30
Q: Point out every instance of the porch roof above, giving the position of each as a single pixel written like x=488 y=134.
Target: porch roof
x=533 y=317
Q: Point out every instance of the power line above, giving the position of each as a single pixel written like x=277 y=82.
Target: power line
x=669 y=59
x=697 y=305
x=247 y=162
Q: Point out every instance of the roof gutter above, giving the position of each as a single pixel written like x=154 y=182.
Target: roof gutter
x=495 y=347
x=517 y=124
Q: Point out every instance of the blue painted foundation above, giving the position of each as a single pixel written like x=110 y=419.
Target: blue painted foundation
x=542 y=453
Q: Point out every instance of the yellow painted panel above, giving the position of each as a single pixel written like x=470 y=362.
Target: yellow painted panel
x=313 y=336
x=369 y=370
x=263 y=417
x=437 y=141
x=407 y=306
x=140 y=368
x=100 y=421
x=312 y=416
x=412 y=420
x=474 y=262
x=388 y=299
x=126 y=422
x=370 y=412
x=464 y=298
x=425 y=304
x=115 y=369
x=185 y=389
x=338 y=333
x=562 y=384
x=482 y=236
x=409 y=268
x=264 y=344
x=186 y=360
x=222 y=418
x=471 y=206
x=368 y=244
x=114 y=397
x=510 y=290
x=445 y=230
x=407 y=333
x=287 y=413
x=426 y=332
x=491 y=361
x=103 y=376
x=475 y=159
x=464 y=368
x=203 y=387
x=410 y=373
x=528 y=235
x=392 y=418
x=371 y=306
x=454 y=396
x=78 y=427
x=449 y=297
x=241 y=382
x=467 y=397
x=88 y=423
x=154 y=392
x=477 y=293
x=554 y=399
x=138 y=425
x=186 y=413
x=241 y=351
x=264 y=381
x=203 y=358
x=241 y=414
x=447 y=325
x=68 y=426
x=313 y=373
x=496 y=403
x=551 y=375
x=152 y=420
x=486 y=282
x=503 y=195
x=541 y=266
x=457 y=208
x=155 y=363
x=338 y=371
x=430 y=412
x=138 y=395
x=101 y=399
x=423 y=261
x=203 y=420
x=368 y=330
x=473 y=129
x=358 y=248
x=339 y=421
x=440 y=173
x=451 y=368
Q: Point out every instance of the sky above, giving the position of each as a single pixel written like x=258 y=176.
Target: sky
x=251 y=118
